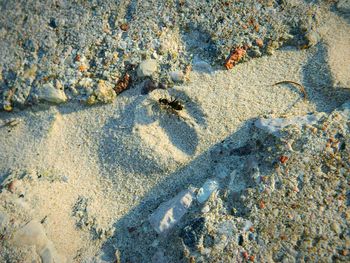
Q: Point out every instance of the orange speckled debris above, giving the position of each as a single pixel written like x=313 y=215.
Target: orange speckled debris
x=82 y=68
x=283 y=159
x=234 y=57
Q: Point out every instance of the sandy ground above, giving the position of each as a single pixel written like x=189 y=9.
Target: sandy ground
x=129 y=156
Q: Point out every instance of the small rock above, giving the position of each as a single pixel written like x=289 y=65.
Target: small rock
x=105 y=92
x=12 y=186
x=177 y=76
x=336 y=227
x=235 y=56
x=191 y=234
x=312 y=38
x=50 y=94
x=65 y=178
x=155 y=55
x=53 y=23
x=202 y=66
x=147 y=68
x=205 y=209
x=123 y=84
x=124 y=27
x=259 y=42
x=206 y=190
x=169 y=213
x=148 y=86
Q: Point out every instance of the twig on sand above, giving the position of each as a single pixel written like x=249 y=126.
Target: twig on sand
x=301 y=87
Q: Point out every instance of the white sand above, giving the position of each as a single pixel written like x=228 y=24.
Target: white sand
x=129 y=152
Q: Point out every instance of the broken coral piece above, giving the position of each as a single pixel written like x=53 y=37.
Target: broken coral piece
x=234 y=57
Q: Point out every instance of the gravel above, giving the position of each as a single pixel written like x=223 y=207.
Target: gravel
x=67 y=42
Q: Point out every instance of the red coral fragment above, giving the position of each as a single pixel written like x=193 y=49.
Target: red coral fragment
x=283 y=159
x=234 y=57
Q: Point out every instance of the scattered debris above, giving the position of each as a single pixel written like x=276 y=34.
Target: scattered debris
x=86 y=221
x=51 y=94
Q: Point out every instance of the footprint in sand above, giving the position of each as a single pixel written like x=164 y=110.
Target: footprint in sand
x=158 y=139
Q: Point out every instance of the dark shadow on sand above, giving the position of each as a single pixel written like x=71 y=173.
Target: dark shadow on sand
x=319 y=83
x=134 y=235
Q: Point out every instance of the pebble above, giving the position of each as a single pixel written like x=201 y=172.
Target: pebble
x=205 y=209
x=202 y=66
x=206 y=190
x=177 y=76
x=148 y=86
x=191 y=234
x=147 y=68
x=50 y=94
x=259 y=42
x=12 y=186
x=169 y=213
x=336 y=227
x=53 y=23
x=105 y=92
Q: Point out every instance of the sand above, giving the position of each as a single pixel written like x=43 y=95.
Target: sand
x=127 y=157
